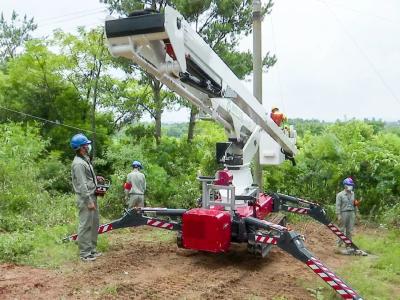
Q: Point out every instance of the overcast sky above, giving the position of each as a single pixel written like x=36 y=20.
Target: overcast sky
x=336 y=58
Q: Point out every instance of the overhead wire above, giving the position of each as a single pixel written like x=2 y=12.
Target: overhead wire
x=56 y=23
x=362 y=13
x=275 y=46
x=363 y=53
x=45 y=120
x=72 y=14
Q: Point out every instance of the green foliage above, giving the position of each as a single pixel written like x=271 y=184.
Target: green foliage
x=391 y=215
x=336 y=151
x=35 y=85
x=25 y=202
x=170 y=167
x=373 y=276
x=19 y=150
x=175 y=130
x=41 y=247
x=15 y=246
x=13 y=34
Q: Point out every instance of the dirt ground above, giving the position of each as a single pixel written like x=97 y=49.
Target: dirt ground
x=137 y=268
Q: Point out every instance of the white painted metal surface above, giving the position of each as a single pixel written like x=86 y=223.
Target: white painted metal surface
x=148 y=51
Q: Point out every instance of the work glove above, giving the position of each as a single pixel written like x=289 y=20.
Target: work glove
x=100 y=179
x=91 y=205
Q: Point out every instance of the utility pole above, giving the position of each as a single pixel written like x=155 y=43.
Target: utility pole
x=257 y=78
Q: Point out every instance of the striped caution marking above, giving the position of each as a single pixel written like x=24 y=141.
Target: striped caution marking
x=329 y=277
x=160 y=224
x=298 y=210
x=266 y=239
x=339 y=233
x=104 y=228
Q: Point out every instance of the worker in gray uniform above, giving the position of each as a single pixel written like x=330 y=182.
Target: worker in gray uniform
x=345 y=209
x=84 y=183
x=137 y=181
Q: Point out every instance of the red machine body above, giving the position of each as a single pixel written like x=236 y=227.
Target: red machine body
x=206 y=230
x=224 y=177
x=264 y=206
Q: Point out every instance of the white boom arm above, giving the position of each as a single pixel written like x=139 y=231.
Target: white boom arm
x=164 y=45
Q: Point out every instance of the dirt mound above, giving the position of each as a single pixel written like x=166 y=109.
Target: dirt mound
x=149 y=269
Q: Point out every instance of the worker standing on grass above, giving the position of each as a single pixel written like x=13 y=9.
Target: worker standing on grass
x=84 y=183
x=137 y=183
x=346 y=209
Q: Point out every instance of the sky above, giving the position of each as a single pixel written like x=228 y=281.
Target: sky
x=337 y=59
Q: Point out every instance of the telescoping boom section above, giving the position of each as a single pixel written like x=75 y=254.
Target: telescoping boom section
x=166 y=46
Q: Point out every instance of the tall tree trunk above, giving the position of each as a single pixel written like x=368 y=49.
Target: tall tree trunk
x=158 y=110
x=192 y=122
x=94 y=104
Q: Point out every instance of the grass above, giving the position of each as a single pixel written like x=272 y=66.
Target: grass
x=159 y=235
x=377 y=276
x=110 y=290
x=42 y=247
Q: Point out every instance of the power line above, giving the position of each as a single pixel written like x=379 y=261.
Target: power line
x=362 y=13
x=363 y=53
x=56 y=23
x=46 y=120
x=277 y=66
x=71 y=14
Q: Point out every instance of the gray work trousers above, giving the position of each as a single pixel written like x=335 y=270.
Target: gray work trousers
x=347 y=224
x=88 y=227
x=135 y=200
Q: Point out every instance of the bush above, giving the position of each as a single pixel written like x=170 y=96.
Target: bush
x=391 y=216
x=14 y=246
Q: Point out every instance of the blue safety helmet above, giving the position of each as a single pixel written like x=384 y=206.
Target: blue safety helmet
x=79 y=140
x=348 y=181
x=137 y=164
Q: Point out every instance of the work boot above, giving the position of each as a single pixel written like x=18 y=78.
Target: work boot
x=96 y=254
x=90 y=257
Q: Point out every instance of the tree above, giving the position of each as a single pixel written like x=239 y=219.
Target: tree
x=87 y=61
x=14 y=35
x=35 y=85
x=160 y=99
x=126 y=99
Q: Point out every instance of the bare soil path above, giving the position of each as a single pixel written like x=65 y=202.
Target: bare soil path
x=140 y=266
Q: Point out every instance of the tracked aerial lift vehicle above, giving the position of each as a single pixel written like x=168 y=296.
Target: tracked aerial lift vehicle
x=232 y=209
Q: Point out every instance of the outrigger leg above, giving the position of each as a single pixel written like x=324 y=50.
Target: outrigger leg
x=137 y=217
x=315 y=211
x=292 y=243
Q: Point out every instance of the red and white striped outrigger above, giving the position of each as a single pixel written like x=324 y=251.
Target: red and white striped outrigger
x=314 y=210
x=247 y=225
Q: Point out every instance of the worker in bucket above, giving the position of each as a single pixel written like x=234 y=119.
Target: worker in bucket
x=277 y=116
x=346 y=208
x=84 y=183
x=137 y=183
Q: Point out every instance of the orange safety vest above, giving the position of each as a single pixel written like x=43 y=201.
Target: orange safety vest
x=277 y=117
